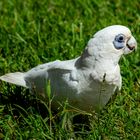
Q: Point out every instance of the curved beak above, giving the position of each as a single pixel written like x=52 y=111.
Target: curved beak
x=132 y=44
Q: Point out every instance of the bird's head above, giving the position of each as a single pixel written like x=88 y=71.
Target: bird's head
x=111 y=42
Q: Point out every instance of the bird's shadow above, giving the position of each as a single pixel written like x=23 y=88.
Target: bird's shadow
x=16 y=96
x=18 y=100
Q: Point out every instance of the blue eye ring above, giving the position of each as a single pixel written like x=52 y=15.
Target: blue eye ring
x=120 y=38
x=119 y=41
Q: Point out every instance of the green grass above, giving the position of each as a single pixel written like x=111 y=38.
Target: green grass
x=33 y=32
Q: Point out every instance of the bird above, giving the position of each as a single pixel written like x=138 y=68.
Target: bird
x=86 y=82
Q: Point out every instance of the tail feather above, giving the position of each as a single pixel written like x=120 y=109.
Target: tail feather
x=16 y=78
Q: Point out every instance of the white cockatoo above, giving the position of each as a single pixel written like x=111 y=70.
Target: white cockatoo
x=86 y=82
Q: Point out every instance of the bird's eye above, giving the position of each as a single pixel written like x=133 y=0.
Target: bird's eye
x=120 y=38
x=119 y=41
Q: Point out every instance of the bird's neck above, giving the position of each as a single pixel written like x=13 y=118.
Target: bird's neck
x=98 y=68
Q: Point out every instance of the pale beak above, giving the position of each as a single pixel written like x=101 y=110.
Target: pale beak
x=132 y=44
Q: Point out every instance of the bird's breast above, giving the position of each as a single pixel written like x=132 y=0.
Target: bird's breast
x=81 y=89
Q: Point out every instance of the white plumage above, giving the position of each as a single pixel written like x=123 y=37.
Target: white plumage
x=88 y=81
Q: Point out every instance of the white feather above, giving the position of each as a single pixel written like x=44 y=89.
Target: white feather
x=14 y=78
x=87 y=81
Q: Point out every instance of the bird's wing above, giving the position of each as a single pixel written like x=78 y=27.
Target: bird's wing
x=67 y=65
x=39 y=74
x=61 y=65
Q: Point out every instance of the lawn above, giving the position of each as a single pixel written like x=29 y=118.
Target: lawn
x=33 y=32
